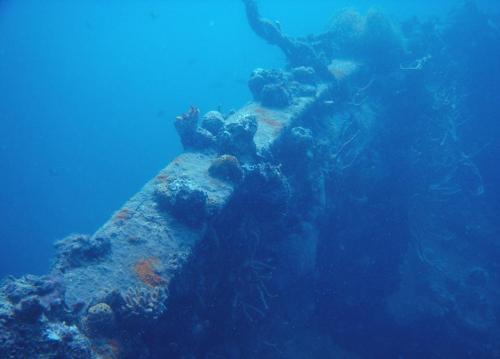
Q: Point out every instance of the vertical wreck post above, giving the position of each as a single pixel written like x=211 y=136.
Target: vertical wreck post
x=297 y=52
x=267 y=29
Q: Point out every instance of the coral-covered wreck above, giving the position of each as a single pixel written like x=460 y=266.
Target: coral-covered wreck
x=327 y=218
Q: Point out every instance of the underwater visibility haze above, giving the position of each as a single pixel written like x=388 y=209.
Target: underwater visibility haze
x=249 y=179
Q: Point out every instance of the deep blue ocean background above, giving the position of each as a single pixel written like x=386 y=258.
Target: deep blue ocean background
x=89 y=91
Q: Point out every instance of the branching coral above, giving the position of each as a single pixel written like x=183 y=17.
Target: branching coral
x=144 y=304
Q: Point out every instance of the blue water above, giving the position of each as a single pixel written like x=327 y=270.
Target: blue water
x=89 y=90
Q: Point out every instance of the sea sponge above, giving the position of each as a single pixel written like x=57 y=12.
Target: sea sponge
x=79 y=249
x=304 y=74
x=275 y=96
x=372 y=39
x=191 y=135
x=183 y=200
x=260 y=78
x=213 y=121
x=237 y=137
x=265 y=191
x=100 y=319
x=29 y=309
x=226 y=168
x=346 y=29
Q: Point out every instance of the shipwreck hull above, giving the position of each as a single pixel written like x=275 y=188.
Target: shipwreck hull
x=338 y=207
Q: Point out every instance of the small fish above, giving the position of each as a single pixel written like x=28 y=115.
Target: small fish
x=192 y=61
x=153 y=14
x=53 y=172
